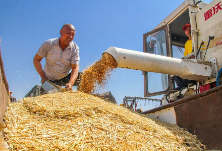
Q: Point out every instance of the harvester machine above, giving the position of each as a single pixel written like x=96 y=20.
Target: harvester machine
x=197 y=107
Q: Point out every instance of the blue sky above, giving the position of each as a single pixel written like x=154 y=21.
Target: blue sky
x=99 y=24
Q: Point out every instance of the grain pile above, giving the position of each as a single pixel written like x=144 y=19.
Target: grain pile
x=75 y=120
x=97 y=74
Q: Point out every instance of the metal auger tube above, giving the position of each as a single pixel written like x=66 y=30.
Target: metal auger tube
x=185 y=68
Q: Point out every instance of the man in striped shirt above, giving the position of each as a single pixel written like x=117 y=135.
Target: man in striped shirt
x=62 y=58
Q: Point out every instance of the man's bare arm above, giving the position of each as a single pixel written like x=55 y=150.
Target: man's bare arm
x=37 y=63
x=73 y=77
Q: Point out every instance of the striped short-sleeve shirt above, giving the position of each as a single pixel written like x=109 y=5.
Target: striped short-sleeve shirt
x=58 y=62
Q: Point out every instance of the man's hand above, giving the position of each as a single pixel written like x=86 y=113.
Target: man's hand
x=37 y=59
x=68 y=86
x=74 y=74
x=44 y=79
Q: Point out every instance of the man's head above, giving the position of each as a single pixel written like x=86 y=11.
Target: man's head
x=67 y=33
x=187 y=30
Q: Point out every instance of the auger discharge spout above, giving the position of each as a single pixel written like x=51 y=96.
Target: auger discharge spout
x=185 y=68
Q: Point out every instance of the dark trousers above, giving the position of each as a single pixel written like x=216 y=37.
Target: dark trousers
x=65 y=80
x=13 y=99
x=182 y=82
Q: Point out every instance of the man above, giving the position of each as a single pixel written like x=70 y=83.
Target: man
x=12 y=99
x=188 y=49
x=188 y=44
x=62 y=56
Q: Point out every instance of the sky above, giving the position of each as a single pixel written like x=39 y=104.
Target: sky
x=99 y=24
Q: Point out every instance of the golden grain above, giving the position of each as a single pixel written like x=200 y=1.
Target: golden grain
x=80 y=121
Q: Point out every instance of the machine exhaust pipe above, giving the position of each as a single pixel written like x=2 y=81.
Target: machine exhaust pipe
x=185 y=68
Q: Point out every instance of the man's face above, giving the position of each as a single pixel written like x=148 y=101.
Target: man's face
x=188 y=32
x=67 y=34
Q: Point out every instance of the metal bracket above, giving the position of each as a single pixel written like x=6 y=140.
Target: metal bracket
x=195 y=31
x=214 y=67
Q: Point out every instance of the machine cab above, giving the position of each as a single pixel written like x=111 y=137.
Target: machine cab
x=168 y=39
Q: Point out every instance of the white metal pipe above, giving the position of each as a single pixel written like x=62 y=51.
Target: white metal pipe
x=185 y=68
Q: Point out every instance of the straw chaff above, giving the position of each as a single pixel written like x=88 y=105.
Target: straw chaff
x=79 y=121
x=97 y=74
